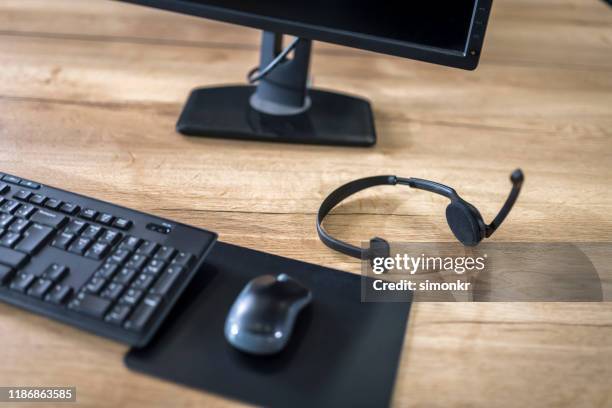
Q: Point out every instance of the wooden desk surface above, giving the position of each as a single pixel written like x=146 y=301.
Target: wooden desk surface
x=89 y=95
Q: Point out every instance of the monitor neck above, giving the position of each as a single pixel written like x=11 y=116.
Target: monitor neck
x=284 y=90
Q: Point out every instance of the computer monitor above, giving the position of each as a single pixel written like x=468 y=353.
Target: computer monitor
x=281 y=107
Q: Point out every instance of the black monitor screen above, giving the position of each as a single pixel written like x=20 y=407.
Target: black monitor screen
x=448 y=32
x=440 y=24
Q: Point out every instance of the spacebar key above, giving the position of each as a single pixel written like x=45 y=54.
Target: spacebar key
x=90 y=305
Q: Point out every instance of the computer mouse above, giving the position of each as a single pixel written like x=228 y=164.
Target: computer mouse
x=263 y=315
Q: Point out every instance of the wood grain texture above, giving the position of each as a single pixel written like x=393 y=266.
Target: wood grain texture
x=89 y=95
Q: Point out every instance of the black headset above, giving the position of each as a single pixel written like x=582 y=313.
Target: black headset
x=463 y=218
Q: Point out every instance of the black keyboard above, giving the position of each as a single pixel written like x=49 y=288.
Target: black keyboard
x=107 y=269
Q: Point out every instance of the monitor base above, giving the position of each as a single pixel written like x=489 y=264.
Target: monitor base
x=226 y=112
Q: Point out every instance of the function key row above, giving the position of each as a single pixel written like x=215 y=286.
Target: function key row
x=71 y=209
x=105 y=219
x=20 y=182
x=43 y=201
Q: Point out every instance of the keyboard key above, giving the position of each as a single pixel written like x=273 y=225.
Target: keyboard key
x=90 y=305
x=22 y=195
x=137 y=261
x=98 y=251
x=130 y=243
x=92 y=232
x=79 y=246
x=40 y=287
x=165 y=253
x=63 y=240
x=118 y=314
x=120 y=256
x=184 y=259
x=122 y=223
x=25 y=211
x=4 y=188
x=11 y=179
x=104 y=218
x=110 y=237
x=56 y=272
x=6 y=220
x=38 y=199
x=10 y=239
x=131 y=297
x=35 y=237
x=59 y=294
x=22 y=281
x=75 y=227
x=69 y=208
x=124 y=276
x=167 y=280
x=148 y=248
x=6 y=274
x=9 y=206
x=143 y=313
x=53 y=204
x=112 y=291
x=12 y=258
x=88 y=214
x=95 y=285
x=53 y=220
x=19 y=225
x=143 y=282
x=107 y=271
x=29 y=184
x=155 y=267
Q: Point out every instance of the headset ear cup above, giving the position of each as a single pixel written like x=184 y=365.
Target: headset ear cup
x=463 y=224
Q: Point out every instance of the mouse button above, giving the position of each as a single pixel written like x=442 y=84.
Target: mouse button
x=262 y=282
x=291 y=290
x=264 y=308
x=243 y=306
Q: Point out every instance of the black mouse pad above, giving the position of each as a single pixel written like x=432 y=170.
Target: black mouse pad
x=342 y=352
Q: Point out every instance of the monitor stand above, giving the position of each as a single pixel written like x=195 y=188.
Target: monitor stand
x=280 y=108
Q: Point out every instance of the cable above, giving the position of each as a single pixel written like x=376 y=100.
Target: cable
x=256 y=74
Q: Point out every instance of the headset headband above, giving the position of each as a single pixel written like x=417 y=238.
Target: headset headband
x=464 y=219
